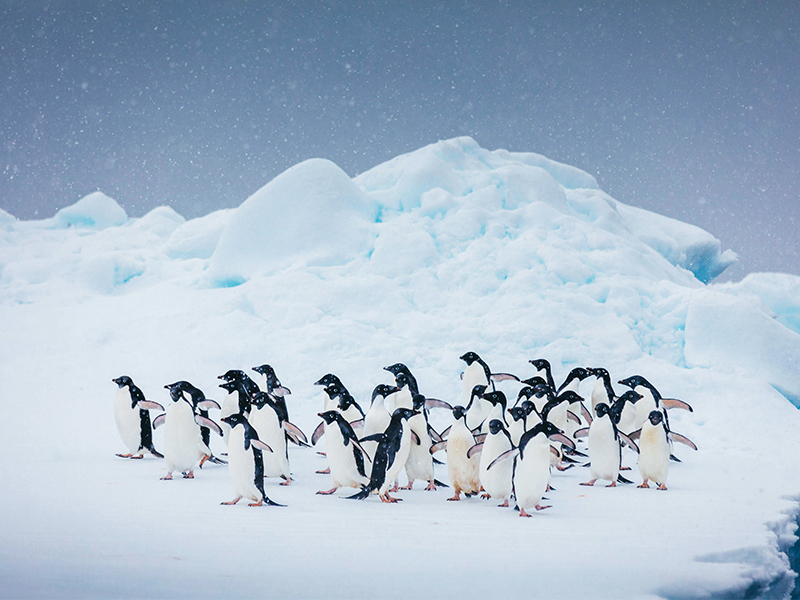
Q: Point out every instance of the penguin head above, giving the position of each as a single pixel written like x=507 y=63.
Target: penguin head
x=528 y=406
x=404 y=413
x=396 y=369
x=598 y=372
x=517 y=413
x=478 y=391
x=540 y=364
x=345 y=401
x=234 y=420
x=334 y=390
x=496 y=398
x=329 y=416
x=469 y=357
x=232 y=375
x=261 y=399
x=383 y=390
x=401 y=380
x=534 y=381
x=526 y=392
x=327 y=380
x=601 y=409
x=123 y=381
x=419 y=402
x=634 y=381
x=569 y=396
x=495 y=426
x=655 y=417
x=229 y=386
x=459 y=412
x=176 y=393
x=630 y=396
x=265 y=370
x=579 y=373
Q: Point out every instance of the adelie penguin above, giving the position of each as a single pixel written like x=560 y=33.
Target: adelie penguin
x=391 y=455
x=462 y=468
x=477 y=373
x=532 y=466
x=201 y=405
x=268 y=419
x=420 y=460
x=654 y=449
x=497 y=483
x=347 y=459
x=245 y=461
x=131 y=413
x=377 y=418
x=182 y=437
x=605 y=446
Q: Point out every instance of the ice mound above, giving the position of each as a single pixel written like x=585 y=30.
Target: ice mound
x=95 y=211
x=312 y=213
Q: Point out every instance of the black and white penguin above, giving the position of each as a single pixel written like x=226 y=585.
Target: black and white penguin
x=346 y=457
x=201 y=406
x=131 y=413
x=496 y=483
x=498 y=401
x=545 y=371
x=602 y=391
x=240 y=388
x=605 y=446
x=333 y=386
x=623 y=411
x=420 y=460
x=391 y=455
x=268 y=418
x=478 y=408
x=404 y=396
x=245 y=461
x=532 y=465
x=517 y=422
x=398 y=368
x=651 y=400
x=572 y=383
x=182 y=437
x=655 y=447
x=462 y=468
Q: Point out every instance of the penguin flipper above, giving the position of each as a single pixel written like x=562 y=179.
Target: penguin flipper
x=571 y=416
x=621 y=479
x=475 y=450
x=357 y=423
x=438 y=446
x=635 y=435
x=674 y=458
x=581 y=433
x=434 y=435
x=436 y=461
x=159 y=420
x=675 y=403
x=587 y=416
x=217 y=461
x=415 y=438
x=154 y=452
x=435 y=403
x=682 y=439
x=504 y=377
x=206 y=422
x=260 y=445
x=438 y=483
x=317 y=433
x=504 y=456
x=149 y=405
x=208 y=404
x=271 y=502
x=298 y=434
x=629 y=442
x=444 y=433
x=479 y=438
x=560 y=437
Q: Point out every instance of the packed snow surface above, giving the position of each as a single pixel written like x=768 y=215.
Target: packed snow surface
x=449 y=249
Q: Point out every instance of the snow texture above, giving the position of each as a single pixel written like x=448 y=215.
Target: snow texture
x=435 y=253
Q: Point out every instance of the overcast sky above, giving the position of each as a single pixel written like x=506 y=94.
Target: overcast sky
x=690 y=109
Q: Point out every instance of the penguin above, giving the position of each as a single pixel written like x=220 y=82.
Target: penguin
x=655 y=444
x=404 y=396
x=605 y=450
x=270 y=384
x=517 y=422
x=249 y=386
x=602 y=390
x=236 y=402
x=497 y=483
x=377 y=417
x=461 y=468
x=498 y=411
x=623 y=411
x=391 y=455
x=346 y=456
x=131 y=413
x=331 y=381
x=268 y=418
x=544 y=370
x=420 y=460
x=245 y=461
x=572 y=383
x=478 y=408
x=537 y=391
x=476 y=373
x=532 y=465
x=201 y=406
x=182 y=434
x=398 y=368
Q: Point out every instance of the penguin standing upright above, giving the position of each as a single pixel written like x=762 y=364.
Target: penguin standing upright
x=462 y=469
x=391 y=455
x=377 y=417
x=602 y=391
x=240 y=388
x=131 y=413
x=420 y=460
x=605 y=446
x=201 y=406
x=182 y=434
x=267 y=418
x=404 y=396
x=245 y=461
x=346 y=457
x=476 y=373
x=498 y=482
x=655 y=446
x=532 y=466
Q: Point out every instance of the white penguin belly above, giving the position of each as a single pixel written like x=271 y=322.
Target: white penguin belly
x=341 y=460
x=230 y=406
x=604 y=451
x=265 y=422
x=127 y=419
x=376 y=421
x=462 y=471
x=497 y=480
x=644 y=406
x=181 y=438
x=532 y=474
x=420 y=461
x=241 y=466
x=654 y=454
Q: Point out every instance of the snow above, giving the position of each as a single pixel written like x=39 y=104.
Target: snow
x=444 y=250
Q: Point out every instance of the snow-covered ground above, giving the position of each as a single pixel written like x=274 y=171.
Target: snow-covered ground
x=444 y=250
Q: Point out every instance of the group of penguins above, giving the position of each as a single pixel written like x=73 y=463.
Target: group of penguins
x=500 y=451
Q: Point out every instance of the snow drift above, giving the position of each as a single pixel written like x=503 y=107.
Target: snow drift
x=447 y=249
